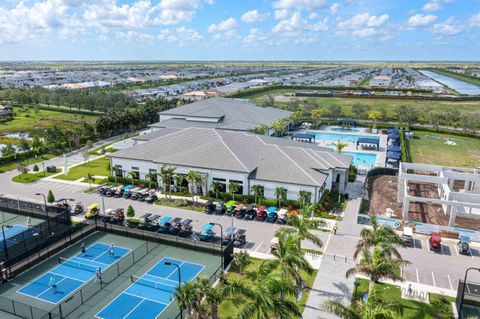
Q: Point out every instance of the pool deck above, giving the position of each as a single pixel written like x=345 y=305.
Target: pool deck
x=381 y=155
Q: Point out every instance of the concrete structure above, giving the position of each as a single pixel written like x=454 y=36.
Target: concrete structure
x=248 y=159
x=221 y=113
x=464 y=202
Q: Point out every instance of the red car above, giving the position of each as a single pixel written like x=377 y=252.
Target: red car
x=435 y=241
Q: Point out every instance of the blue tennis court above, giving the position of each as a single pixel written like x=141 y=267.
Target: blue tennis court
x=152 y=293
x=12 y=239
x=73 y=273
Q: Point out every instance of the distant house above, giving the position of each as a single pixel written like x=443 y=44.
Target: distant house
x=5 y=115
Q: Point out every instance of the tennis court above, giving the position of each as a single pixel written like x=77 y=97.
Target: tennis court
x=11 y=232
x=149 y=295
x=73 y=273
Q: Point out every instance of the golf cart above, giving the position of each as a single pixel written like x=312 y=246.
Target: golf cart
x=250 y=212
x=209 y=207
x=228 y=235
x=240 y=211
x=231 y=204
x=175 y=226
x=92 y=210
x=135 y=192
x=207 y=234
x=144 y=218
x=127 y=191
x=164 y=224
x=118 y=191
x=142 y=194
x=239 y=237
x=407 y=235
x=186 y=228
x=464 y=245
x=151 y=197
x=435 y=241
x=261 y=213
x=272 y=214
x=220 y=208
x=274 y=244
x=78 y=208
x=282 y=216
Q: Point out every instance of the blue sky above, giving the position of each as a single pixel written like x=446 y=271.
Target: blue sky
x=240 y=30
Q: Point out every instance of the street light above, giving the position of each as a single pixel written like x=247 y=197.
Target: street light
x=221 y=241
x=6 y=248
x=179 y=279
x=46 y=211
x=356 y=284
x=460 y=315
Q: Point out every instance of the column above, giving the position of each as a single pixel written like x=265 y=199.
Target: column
x=453 y=215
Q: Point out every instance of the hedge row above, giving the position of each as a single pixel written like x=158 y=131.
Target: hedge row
x=403 y=147
x=251 y=199
x=20 y=156
x=128 y=181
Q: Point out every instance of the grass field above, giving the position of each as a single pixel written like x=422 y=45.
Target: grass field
x=375 y=103
x=230 y=308
x=98 y=167
x=42 y=119
x=411 y=309
x=11 y=166
x=430 y=148
x=31 y=177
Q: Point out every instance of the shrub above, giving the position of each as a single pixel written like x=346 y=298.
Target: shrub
x=130 y=211
x=50 y=197
x=128 y=181
x=35 y=168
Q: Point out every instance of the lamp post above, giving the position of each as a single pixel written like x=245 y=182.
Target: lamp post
x=460 y=315
x=46 y=211
x=356 y=284
x=221 y=242
x=6 y=248
x=179 y=279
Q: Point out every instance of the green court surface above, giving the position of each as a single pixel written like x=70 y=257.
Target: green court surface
x=16 y=219
x=137 y=263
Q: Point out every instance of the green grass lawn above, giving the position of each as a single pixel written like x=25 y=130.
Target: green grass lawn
x=11 y=166
x=231 y=307
x=98 y=167
x=31 y=177
x=430 y=148
x=411 y=309
x=42 y=119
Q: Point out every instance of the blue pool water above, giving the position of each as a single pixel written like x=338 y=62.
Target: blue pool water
x=340 y=129
x=362 y=159
x=333 y=137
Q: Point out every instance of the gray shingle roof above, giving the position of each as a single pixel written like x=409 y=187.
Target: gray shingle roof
x=232 y=114
x=265 y=158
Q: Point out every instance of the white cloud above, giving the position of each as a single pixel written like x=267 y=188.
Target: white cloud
x=421 y=20
x=334 y=8
x=106 y=14
x=256 y=36
x=177 y=11
x=181 y=36
x=299 y=4
x=295 y=25
x=431 y=6
x=448 y=28
x=225 y=29
x=281 y=14
x=474 y=21
x=134 y=36
x=253 y=16
x=321 y=25
x=363 y=20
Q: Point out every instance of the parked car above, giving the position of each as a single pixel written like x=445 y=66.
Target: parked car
x=261 y=213
x=231 y=204
x=92 y=210
x=250 y=212
x=151 y=197
x=435 y=241
x=240 y=211
x=127 y=191
x=407 y=235
x=210 y=207
x=464 y=245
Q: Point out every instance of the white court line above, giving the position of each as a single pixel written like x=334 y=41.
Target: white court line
x=259 y=245
x=180 y=266
x=79 y=280
x=49 y=288
x=450 y=282
x=134 y=308
x=416 y=270
x=433 y=278
x=175 y=281
x=98 y=262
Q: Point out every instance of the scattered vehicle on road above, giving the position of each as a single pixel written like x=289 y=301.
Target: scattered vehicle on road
x=92 y=210
x=464 y=245
x=407 y=235
x=435 y=241
x=79 y=208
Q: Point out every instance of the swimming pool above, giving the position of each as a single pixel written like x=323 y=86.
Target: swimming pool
x=362 y=159
x=341 y=129
x=333 y=137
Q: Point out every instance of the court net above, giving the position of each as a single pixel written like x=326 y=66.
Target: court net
x=76 y=264
x=154 y=284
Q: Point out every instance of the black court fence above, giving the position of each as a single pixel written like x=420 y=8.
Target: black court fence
x=471 y=300
x=82 y=294
x=214 y=247
x=27 y=208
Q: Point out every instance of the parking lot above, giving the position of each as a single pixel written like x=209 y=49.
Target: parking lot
x=441 y=269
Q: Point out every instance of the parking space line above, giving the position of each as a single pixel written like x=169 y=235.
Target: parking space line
x=413 y=241
x=259 y=245
x=450 y=282
x=433 y=278
x=441 y=250
x=416 y=270
x=428 y=246
x=456 y=251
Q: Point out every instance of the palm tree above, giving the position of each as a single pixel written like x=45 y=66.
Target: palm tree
x=300 y=226
x=216 y=187
x=166 y=175
x=317 y=114
x=280 y=194
x=150 y=177
x=194 y=179
x=304 y=196
x=233 y=188
x=257 y=191
x=241 y=260
x=89 y=178
x=179 y=178
x=262 y=301
x=132 y=174
x=340 y=146
x=377 y=265
x=373 y=308
x=185 y=295
x=213 y=296
x=379 y=235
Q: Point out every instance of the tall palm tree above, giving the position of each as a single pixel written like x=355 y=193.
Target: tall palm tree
x=372 y=309
x=150 y=177
x=241 y=260
x=89 y=178
x=377 y=265
x=257 y=191
x=132 y=174
x=194 y=179
x=280 y=194
x=340 y=146
x=212 y=297
x=379 y=235
x=179 y=178
x=166 y=175
x=216 y=187
x=185 y=295
x=233 y=188
x=304 y=197
x=262 y=301
x=301 y=227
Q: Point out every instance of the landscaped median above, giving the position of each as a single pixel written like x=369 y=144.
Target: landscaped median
x=96 y=167
x=30 y=178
